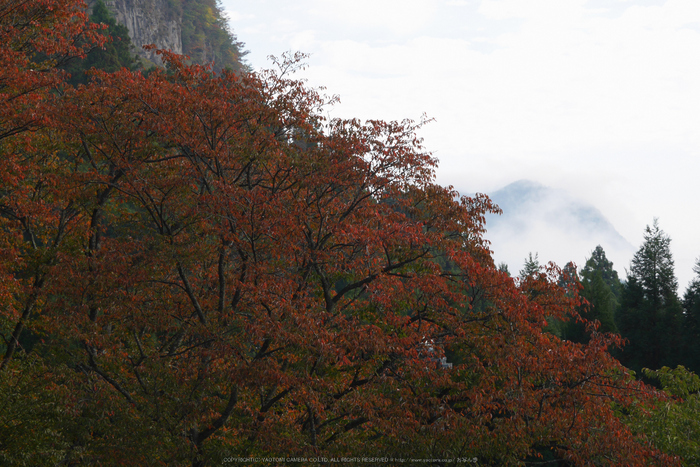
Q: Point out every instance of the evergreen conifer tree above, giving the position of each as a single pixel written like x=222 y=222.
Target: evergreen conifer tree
x=691 y=321
x=650 y=313
x=531 y=267
x=599 y=264
x=601 y=287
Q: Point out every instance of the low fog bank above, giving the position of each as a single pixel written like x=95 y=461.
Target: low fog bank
x=553 y=224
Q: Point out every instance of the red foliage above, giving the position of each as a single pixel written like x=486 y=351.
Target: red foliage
x=215 y=262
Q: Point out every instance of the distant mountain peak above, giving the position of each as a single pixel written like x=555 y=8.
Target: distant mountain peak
x=561 y=227
x=520 y=192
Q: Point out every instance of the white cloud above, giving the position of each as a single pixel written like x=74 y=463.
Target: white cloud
x=235 y=16
x=398 y=16
x=303 y=40
x=538 y=10
x=601 y=96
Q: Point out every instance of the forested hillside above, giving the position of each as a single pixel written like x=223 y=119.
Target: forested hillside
x=198 y=267
x=661 y=332
x=196 y=28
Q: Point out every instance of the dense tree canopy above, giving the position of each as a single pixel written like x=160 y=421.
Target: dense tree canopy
x=116 y=53
x=674 y=425
x=35 y=37
x=691 y=321
x=198 y=265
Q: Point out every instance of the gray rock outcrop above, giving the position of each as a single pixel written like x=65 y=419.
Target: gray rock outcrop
x=149 y=22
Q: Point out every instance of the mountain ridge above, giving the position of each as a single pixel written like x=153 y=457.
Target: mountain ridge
x=560 y=227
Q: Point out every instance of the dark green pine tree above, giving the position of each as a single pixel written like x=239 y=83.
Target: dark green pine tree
x=531 y=267
x=602 y=302
x=650 y=312
x=117 y=53
x=569 y=280
x=598 y=264
x=691 y=321
x=630 y=317
x=601 y=288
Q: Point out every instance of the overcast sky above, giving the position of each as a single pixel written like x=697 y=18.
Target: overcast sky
x=600 y=98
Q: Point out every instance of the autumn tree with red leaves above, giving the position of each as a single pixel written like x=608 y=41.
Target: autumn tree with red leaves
x=196 y=266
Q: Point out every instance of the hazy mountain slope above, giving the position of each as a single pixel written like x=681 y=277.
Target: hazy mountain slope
x=550 y=222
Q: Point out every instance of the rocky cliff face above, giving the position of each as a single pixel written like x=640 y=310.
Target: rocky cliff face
x=195 y=28
x=149 y=22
